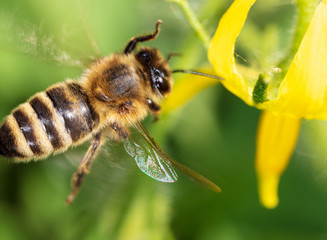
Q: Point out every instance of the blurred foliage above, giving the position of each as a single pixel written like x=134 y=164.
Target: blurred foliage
x=214 y=133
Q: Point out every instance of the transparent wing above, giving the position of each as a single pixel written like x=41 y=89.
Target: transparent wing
x=19 y=35
x=132 y=145
x=148 y=157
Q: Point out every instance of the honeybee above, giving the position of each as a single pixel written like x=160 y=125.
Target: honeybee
x=113 y=94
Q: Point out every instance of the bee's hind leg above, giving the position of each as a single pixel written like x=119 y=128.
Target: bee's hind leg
x=84 y=167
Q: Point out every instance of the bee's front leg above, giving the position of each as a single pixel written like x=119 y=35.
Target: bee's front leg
x=84 y=166
x=154 y=108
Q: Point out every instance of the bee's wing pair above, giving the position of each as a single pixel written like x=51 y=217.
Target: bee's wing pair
x=152 y=160
x=149 y=158
x=19 y=35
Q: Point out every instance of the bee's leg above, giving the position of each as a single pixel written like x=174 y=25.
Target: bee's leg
x=154 y=108
x=84 y=167
x=122 y=132
x=132 y=43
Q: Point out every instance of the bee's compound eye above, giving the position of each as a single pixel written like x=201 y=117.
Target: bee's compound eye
x=159 y=81
x=144 y=56
x=162 y=85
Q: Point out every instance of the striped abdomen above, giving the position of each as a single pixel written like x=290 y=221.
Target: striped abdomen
x=50 y=121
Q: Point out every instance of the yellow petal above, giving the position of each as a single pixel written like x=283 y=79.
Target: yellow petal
x=268 y=190
x=276 y=139
x=186 y=88
x=221 y=49
x=303 y=90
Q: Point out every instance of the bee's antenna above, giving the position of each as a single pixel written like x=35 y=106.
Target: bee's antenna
x=173 y=54
x=197 y=73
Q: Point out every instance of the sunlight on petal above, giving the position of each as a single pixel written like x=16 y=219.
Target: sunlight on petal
x=276 y=139
x=187 y=87
x=303 y=90
x=221 y=49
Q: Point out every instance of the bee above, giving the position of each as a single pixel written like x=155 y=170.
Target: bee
x=114 y=94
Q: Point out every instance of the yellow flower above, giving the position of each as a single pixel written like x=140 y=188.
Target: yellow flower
x=295 y=91
x=301 y=93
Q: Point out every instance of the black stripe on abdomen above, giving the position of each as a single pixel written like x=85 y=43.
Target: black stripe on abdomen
x=8 y=143
x=72 y=108
x=91 y=117
x=27 y=129
x=46 y=117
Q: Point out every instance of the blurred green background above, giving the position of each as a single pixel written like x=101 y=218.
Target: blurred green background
x=213 y=134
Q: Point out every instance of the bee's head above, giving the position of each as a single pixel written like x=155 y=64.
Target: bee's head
x=157 y=68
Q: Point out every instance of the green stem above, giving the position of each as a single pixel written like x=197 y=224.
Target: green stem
x=193 y=21
x=305 y=9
